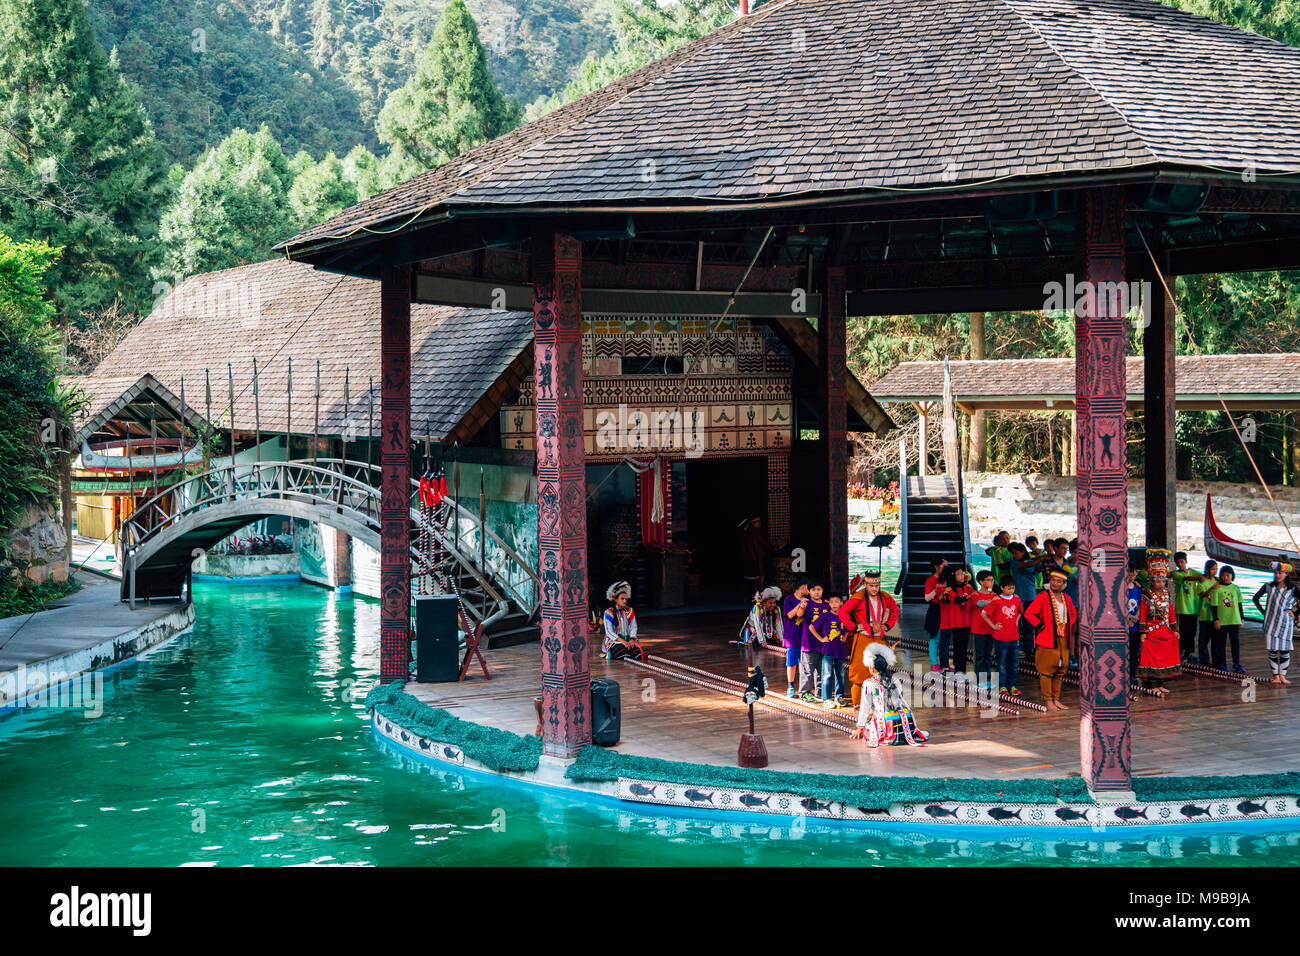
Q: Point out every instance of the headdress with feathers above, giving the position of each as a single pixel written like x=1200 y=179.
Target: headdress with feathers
x=617 y=588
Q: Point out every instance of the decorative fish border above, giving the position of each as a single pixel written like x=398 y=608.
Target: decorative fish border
x=1080 y=816
x=1077 y=815
x=435 y=749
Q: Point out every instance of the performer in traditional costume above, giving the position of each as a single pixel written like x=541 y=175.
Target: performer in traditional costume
x=1052 y=616
x=884 y=717
x=1280 y=614
x=763 y=624
x=620 y=625
x=867 y=617
x=1159 y=661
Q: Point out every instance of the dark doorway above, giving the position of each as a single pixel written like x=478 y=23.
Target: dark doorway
x=720 y=494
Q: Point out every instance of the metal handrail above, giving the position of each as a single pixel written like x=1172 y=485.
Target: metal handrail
x=342 y=483
x=903 y=485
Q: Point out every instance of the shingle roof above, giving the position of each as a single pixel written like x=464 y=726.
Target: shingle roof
x=814 y=96
x=279 y=309
x=1011 y=382
x=138 y=400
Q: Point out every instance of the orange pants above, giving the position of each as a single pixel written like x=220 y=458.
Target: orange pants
x=1052 y=664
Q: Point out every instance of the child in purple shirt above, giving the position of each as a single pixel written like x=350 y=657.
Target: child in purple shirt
x=794 y=616
x=827 y=630
x=810 y=661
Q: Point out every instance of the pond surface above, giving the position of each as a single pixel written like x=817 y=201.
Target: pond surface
x=244 y=741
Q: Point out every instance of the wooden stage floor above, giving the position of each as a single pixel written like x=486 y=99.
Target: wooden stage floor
x=1204 y=727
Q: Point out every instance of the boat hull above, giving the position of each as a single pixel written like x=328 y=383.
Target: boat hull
x=1240 y=554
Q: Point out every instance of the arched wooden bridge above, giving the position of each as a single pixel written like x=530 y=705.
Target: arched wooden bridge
x=164 y=535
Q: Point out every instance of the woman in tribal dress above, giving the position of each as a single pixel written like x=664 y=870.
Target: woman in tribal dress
x=1282 y=605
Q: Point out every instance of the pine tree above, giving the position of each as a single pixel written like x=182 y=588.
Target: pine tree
x=230 y=209
x=79 y=165
x=451 y=104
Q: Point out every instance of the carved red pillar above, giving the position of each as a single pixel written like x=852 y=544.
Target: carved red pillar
x=395 y=460
x=561 y=493
x=1102 y=485
x=832 y=357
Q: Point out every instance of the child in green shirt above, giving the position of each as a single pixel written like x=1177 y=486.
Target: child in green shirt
x=1208 y=583
x=1225 y=606
x=1000 y=555
x=1186 y=605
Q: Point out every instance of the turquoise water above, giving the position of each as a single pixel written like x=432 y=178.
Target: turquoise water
x=244 y=741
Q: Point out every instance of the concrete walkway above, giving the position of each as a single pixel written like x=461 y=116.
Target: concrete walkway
x=85 y=631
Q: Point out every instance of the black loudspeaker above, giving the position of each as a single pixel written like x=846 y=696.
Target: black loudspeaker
x=437 y=643
x=606 y=721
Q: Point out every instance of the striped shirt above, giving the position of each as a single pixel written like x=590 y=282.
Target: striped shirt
x=1279 y=622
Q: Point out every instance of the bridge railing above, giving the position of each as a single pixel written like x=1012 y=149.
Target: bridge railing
x=497 y=568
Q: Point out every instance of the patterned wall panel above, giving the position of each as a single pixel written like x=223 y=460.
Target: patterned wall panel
x=734 y=398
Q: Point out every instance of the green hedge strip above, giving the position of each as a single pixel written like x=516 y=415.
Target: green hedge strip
x=1151 y=789
x=872 y=793
x=496 y=749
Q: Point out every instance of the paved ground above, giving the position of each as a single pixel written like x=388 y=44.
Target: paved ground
x=1203 y=727
x=83 y=619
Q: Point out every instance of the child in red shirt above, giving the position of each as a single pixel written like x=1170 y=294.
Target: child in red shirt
x=1002 y=616
x=954 y=618
x=981 y=631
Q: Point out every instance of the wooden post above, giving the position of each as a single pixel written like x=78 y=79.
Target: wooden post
x=1102 y=489
x=923 y=409
x=833 y=392
x=1158 y=394
x=288 y=411
x=315 y=428
x=395 y=492
x=1289 y=422
x=978 y=459
x=561 y=492
x=257 y=417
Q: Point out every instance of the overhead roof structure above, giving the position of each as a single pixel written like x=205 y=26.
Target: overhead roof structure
x=810 y=103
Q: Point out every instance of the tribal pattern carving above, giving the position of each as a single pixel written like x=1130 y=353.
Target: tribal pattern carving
x=1102 y=500
x=561 y=498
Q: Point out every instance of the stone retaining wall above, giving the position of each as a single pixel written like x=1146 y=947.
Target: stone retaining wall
x=1045 y=505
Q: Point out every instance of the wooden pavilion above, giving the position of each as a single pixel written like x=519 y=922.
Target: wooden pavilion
x=834 y=157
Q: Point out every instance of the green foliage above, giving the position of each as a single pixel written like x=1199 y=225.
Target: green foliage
x=79 y=166
x=498 y=750
x=29 y=351
x=451 y=104
x=230 y=208
x=644 y=31
x=200 y=87
x=20 y=596
x=1277 y=19
x=320 y=191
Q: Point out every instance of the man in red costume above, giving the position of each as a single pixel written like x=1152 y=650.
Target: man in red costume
x=1052 y=616
x=867 y=616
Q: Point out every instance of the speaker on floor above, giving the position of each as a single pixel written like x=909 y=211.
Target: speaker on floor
x=606 y=723
x=437 y=642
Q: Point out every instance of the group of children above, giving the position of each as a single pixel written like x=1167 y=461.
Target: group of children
x=836 y=654
x=1003 y=617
